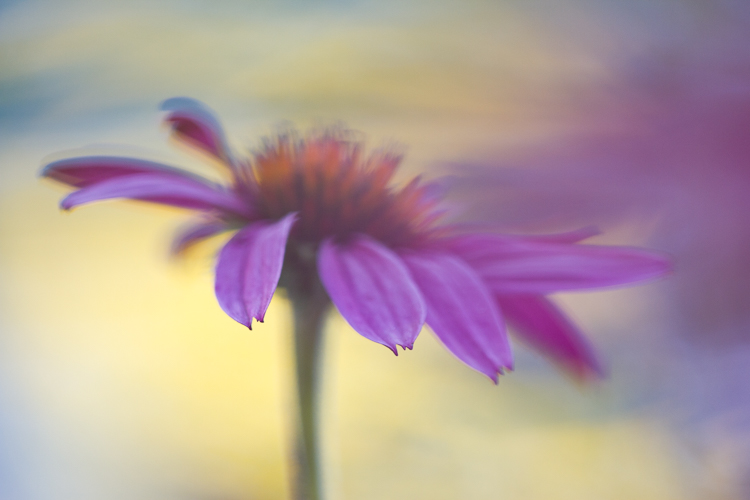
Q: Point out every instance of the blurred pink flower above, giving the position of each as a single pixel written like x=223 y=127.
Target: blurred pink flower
x=667 y=147
x=662 y=144
x=316 y=208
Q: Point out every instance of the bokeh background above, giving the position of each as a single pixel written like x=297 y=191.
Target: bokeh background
x=120 y=378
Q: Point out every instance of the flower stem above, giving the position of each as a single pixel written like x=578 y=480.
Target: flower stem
x=309 y=315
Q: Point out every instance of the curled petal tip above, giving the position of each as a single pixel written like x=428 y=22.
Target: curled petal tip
x=193 y=123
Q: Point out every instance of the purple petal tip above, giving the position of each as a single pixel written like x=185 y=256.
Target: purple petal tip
x=66 y=204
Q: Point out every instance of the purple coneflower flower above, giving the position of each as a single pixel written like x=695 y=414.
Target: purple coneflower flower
x=316 y=216
x=315 y=210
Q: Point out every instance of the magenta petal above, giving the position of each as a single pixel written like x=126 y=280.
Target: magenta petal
x=461 y=311
x=539 y=267
x=372 y=290
x=196 y=232
x=194 y=123
x=480 y=247
x=544 y=327
x=249 y=268
x=87 y=170
x=230 y=279
x=165 y=188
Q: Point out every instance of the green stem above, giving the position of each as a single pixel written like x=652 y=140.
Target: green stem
x=309 y=315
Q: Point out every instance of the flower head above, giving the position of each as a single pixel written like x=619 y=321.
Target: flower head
x=316 y=209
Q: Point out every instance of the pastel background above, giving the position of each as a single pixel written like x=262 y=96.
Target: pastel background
x=120 y=377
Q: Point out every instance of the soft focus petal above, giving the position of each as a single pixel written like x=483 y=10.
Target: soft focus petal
x=87 y=170
x=480 y=239
x=192 y=122
x=575 y=236
x=537 y=267
x=372 y=289
x=545 y=328
x=196 y=232
x=164 y=188
x=249 y=268
x=461 y=311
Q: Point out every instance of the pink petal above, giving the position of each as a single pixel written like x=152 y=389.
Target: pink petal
x=196 y=232
x=230 y=280
x=193 y=123
x=545 y=328
x=461 y=311
x=539 y=267
x=165 y=188
x=87 y=170
x=372 y=290
x=249 y=268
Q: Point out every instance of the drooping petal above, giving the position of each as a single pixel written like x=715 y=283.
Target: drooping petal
x=540 y=267
x=249 y=267
x=229 y=284
x=192 y=122
x=164 y=188
x=196 y=232
x=461 y=311
x=539 y=323
x=372 y=289
x=87 y=170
